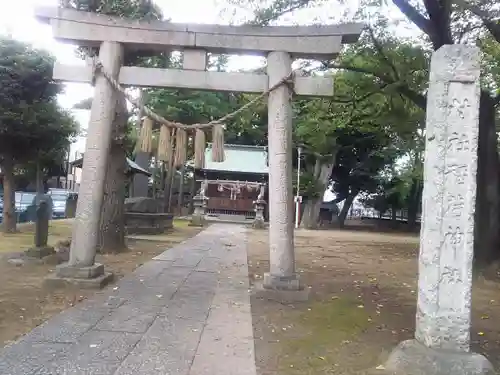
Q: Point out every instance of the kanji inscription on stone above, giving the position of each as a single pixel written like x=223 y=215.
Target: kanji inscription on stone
x=450 y=167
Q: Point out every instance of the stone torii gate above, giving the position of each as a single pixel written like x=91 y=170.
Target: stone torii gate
x=114 y=36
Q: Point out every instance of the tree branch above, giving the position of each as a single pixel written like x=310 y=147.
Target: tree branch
x=496 y=100
x=380 y=51
x=414 y=16
x=363 y=97
x=491 y=25
x=262 y=20
x=419 y=99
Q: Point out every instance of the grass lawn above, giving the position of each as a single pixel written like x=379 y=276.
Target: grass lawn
x=58 y=230
x=362 y=304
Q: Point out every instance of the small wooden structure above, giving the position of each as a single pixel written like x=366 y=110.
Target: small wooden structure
x=132 y=168
x=234 y=184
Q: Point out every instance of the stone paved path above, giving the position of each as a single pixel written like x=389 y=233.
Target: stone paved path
x=185 y=312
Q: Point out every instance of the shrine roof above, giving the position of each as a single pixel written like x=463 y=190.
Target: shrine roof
x=239 y=158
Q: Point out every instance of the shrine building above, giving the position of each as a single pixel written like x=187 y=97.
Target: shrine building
x=234 y=184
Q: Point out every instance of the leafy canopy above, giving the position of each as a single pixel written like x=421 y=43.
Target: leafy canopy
x=31 y=121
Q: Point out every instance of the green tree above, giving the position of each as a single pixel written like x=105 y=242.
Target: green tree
x=32 y=125
x=60 y=132
x=360 y=107
x=439 y=22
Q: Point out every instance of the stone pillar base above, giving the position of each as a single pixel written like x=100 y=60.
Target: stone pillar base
x=282 y=289
x=40 y=252
x=258 y=224
x=412 y=358
x=197 y=221
x=92 y=277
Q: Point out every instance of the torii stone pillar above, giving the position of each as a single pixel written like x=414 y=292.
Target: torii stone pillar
x=81 y=268
x=442 y=338
x=282 y=274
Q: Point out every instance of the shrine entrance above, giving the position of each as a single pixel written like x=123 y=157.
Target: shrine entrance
x=112 y=37
x=231 y=198
x=232 y=186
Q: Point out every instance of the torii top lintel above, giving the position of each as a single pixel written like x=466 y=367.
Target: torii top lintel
x=90 y=29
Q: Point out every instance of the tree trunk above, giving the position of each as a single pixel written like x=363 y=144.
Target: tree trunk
x=167 y=192
x=9 y=220
x=486 y=222
x=345 y=209
x=414 y=203
x=322 y=172
x=394 y=214
x=171 y=192
x=193 y=193
x=40 y=189
x=112 y=223
x=180 y=195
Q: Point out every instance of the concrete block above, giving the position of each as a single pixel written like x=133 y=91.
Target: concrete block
x=148 y=294
x=97 y=352
x=188 y=259
x=192 y=307
x=281 y=283
x=75 y=272
x=40 y=252
x=200 y=281
x=99 y=282
x=129 y=317
x=168 y=347
x=194 y=59
x=208 y=264
x=282 y=296
x=66 y=327
x=26 y=357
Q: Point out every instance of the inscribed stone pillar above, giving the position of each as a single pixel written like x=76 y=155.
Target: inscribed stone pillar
x=446 y=241
x=90 y=197
x=282 y=258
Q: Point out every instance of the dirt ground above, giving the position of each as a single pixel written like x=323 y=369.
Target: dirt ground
x=362 y=304
x=25 y=303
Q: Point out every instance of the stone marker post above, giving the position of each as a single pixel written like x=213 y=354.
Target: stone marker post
x=442 y=338
x=70 y=209
x=43 y=216
x=282 y=274
x=81 y=268
x=42 y=224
